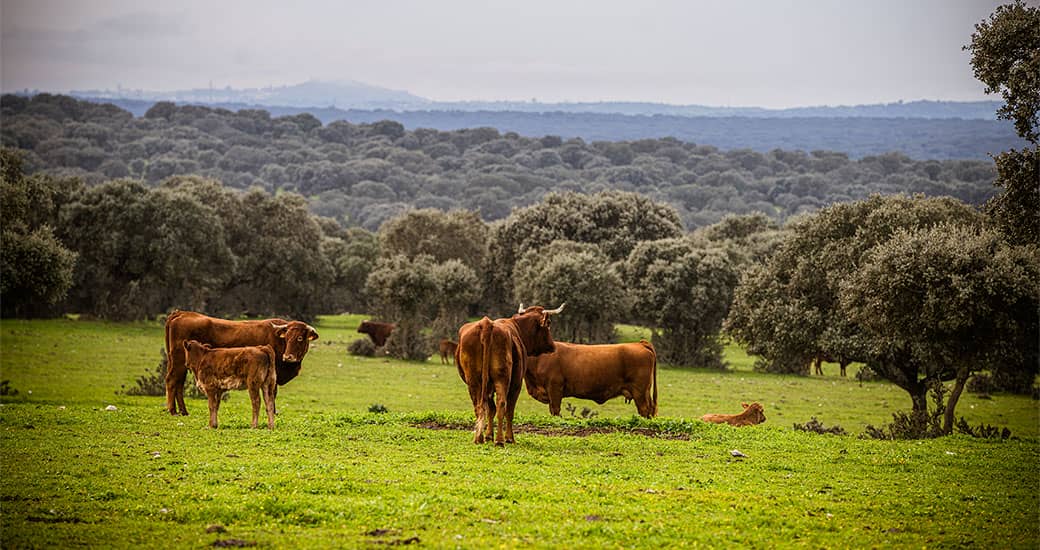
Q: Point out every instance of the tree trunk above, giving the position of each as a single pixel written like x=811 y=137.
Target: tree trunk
x=919 y=395
x=958 y=387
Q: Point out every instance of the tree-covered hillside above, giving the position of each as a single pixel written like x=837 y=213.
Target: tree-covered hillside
x=365 y=173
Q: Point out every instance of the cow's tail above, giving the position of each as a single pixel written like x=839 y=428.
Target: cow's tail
x=653 y=353
x=486 y=330
x=169 y=337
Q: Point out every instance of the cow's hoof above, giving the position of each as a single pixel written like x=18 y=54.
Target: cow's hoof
x=499 y=444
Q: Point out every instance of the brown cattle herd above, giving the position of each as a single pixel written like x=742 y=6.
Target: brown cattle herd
x=495 y=358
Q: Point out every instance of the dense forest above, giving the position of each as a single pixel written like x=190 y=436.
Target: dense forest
x=920 y=132
x=362 y=174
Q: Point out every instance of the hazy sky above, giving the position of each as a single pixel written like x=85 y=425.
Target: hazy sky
x=769 y=53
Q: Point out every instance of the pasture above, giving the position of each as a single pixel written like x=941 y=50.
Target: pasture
x=333 y=474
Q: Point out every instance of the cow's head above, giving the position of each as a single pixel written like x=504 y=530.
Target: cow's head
x=754 y=413
x=364 y=327
x=534 y=323
x=194 y=348
x=297 y=336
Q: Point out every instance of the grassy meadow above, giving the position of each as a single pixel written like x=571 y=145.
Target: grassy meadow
x=333 y=474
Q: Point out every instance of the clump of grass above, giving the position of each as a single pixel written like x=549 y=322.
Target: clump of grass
x=817 y=427
x=377 y=408
x=585 y=412
x=6 y=389
x=363 y=347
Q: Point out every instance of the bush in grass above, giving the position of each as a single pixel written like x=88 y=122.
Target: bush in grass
x=377 y=408
x=916 y=424
x=6 y=389
x=154 y=383
x=984 y=431
x=363 y=347
x=816 y=426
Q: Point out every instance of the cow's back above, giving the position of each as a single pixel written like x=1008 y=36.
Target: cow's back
x=221 y=333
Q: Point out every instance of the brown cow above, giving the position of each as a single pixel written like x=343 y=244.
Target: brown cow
x=377 y=331
x=753 y=414
x=491 y=359
x=218 y=370
x=825 y=357
x=290 y=341
x=598 y=372
x=447 y=349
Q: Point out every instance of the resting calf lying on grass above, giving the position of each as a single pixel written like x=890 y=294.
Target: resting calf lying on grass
x=753 y=414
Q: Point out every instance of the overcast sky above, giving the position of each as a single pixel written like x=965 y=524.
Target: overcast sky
x=767 y=53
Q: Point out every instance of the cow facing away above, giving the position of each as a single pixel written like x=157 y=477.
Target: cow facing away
x=290 y=341
x=753 y=414
x=447 y=350
x=377 y=331
x=491 y=359
x=596 y=372
x=218 y=370
x=820 y=358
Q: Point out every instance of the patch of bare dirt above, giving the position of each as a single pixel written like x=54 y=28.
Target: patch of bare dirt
x=584 y=431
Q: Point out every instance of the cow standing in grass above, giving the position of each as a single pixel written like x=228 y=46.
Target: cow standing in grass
x=222 y=369
x=377 y=331
x=447 y=350
x=753 y=414
x=491 y=359
x=596 y=372
x=290 y=341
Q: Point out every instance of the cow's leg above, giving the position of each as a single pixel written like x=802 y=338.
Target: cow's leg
x=176 y=372
x=511 y=399
x=478 y=412
x=489 y=416
x=269 y=392
x=819 y=367
x=555 y=399
x=501 y=403
x=843 y=365
x=643 y=405
x=274 y=397
x=254 y=398
x=213 y=396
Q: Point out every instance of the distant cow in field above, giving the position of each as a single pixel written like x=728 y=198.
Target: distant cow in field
x=447 y=349
x=753 y=414
x=596 y=372
x=825 y=357
x=491 y=359
x=377 y=331
x=290 y=341
x=218 y=370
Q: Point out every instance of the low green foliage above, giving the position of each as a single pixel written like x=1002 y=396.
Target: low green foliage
x=332 y=474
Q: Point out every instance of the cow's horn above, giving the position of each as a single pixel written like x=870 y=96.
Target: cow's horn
x=279 y=327
x=521 y=310
x=557 y=310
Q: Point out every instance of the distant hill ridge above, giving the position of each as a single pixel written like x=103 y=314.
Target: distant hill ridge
x=918 y=138
x=349 y=94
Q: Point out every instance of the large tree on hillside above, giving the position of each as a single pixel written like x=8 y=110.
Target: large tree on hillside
x=35 y=267
x=583 y=277
x=788 y=310
x=1006 y=57
x=682 y=289
x=614 y=221
x=945 y=302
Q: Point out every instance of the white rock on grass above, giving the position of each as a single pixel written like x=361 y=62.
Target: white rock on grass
x=111 y=408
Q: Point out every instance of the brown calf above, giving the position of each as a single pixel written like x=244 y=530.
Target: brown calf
x=218 y=370
x=447 y=349
x=753 y=414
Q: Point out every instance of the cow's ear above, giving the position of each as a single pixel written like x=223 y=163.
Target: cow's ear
x=313 y=335
x=186 y=344
x=745 y=405
x=281 y=332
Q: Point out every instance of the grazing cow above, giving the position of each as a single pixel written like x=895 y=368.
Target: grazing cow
x=491 y=359
x=218 y=370
x=447 y=349
x=753 y=414
x=599 y=373
x=377 y=331
x=290 y=341
x=825 y=357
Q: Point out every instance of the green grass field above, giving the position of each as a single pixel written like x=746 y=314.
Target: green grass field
x=332 y=474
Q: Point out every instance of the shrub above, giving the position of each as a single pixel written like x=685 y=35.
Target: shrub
x=984 y=431
x=816 y=426
x=154 y=383
x=6 y=389
x=915 y=424
x=363 y=347
x=377 y=408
